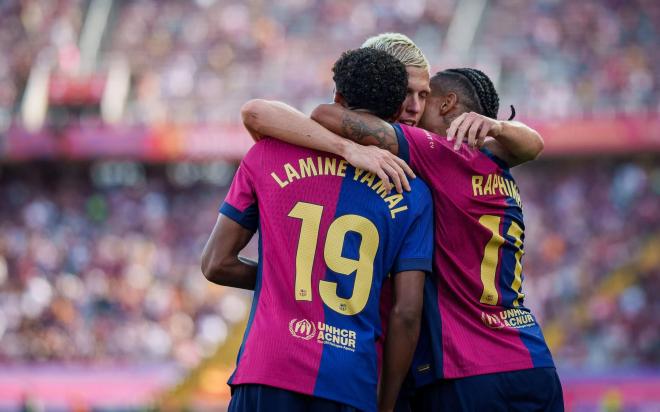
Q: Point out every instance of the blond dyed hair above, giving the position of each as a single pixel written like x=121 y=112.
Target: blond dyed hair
x=401 y=47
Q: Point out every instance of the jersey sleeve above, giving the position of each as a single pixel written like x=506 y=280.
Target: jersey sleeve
x=241 y=205
x=416 y=253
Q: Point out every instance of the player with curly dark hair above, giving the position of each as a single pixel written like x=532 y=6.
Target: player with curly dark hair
x=371 y=79
x=330 y=236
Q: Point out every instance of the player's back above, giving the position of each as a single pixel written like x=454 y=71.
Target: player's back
x=475 y=312
x=329 y=234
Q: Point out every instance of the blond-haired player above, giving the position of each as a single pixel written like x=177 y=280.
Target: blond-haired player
x=418 y=68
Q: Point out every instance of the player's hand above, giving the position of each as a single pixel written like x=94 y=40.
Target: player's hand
x=382 y=163
x=473 y=128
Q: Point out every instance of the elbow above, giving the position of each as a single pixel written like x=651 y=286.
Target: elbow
x=213 y=269
x=409 y=316
x=252 y=113
x=321 y=113
x=537 y=147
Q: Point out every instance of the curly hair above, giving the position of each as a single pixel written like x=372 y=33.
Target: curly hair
x=372 y=80
x=476 y=89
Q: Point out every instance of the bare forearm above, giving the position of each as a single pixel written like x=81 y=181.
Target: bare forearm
x=400 y=346
x=283 y=122
x=519 y=143
x=360 y=127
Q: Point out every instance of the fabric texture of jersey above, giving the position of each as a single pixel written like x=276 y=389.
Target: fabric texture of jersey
x=474 y=307
x=329 y=235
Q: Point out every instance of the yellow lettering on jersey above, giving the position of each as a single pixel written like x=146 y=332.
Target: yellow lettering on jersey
x=379 y=187
x=476 y=185
x=394 y=200
x=496 y=183
x=279 y=181
x=319 y=162
x=341 y=170
x=307 y=167
x=368 y=178
x=502 y=185
x=393 y=212
x=507 y=188
x=291 y=173
x=488 y=187
x=330 y=166
x=358 y=173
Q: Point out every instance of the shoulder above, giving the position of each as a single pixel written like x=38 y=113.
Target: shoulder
x=420 y=194
x=419 y=140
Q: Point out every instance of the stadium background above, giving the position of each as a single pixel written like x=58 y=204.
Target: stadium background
x=119 y=134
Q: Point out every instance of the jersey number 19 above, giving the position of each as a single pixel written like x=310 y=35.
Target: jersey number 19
x=310 y=215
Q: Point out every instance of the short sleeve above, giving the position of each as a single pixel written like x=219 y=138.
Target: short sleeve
x=416 y=253
x=241 y=204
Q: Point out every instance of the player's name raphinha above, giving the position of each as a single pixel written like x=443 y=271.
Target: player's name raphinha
x=492 y=184
x=329 y=166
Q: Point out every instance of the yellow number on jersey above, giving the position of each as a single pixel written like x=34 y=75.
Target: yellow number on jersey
x=310 y=214
x=490 y=261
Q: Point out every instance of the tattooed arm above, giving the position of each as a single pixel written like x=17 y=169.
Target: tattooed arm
x=360 y=127
x=283 y=122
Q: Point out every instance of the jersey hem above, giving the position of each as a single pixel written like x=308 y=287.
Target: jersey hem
x=421 y=264
x=496 y=368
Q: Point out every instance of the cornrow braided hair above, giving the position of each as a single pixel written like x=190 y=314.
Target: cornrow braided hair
x=488 y=100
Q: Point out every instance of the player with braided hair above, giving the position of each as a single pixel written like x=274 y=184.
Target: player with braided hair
x=465 y=104
x=473 y=82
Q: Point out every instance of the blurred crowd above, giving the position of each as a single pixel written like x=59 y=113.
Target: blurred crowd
x=200 y=60
x=98 y=274
x=591 y=260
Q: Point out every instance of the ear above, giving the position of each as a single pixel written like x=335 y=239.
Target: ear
x=449 y=101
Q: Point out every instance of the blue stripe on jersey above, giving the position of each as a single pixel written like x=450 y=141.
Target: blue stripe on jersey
x=337 y=362
x=508 y=266
x=404 y=148
x=249 y=218
x=501 y=163
x=434 y=320
x=531 y=336
x=514 y=211
x=429 y=349
x=533 y=339
x=253 y=309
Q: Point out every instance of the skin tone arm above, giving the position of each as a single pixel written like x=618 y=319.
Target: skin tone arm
x=513 y=142
x=283 y=122
x=220 y=261
x=402 y=335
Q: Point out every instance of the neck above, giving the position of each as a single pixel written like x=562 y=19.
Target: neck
x=446 y=122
